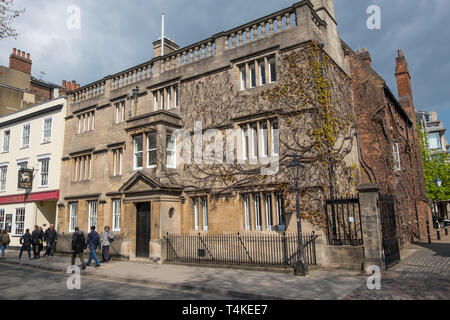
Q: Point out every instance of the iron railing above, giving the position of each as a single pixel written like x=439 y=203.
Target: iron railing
x=344 y=222
x=261 y=250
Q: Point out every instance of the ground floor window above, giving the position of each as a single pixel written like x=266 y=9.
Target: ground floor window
x=270 y=211
x=93 y=214
x=2 y=219
x=8 y=223
x=196 y=213
x=20 y=221
x=205 y=214
x=247 y=213
x=257 y=203
x=73 y=216
x=116 y=215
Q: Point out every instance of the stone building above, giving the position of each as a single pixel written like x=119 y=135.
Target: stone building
x=141 y=147
x=120 y=162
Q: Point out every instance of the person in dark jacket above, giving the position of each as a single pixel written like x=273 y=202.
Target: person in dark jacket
x=51 y=237
x=25 y=241
x=41 y=241
x=93 y=241
x=35 y=238
x=78 y=243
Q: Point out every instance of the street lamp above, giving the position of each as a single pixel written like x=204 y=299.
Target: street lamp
x=295 y=169
x=438 y=182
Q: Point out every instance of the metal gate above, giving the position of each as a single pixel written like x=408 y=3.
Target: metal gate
x=389 y=229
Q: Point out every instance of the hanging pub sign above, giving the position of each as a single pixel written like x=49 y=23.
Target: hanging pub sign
x=25 y=180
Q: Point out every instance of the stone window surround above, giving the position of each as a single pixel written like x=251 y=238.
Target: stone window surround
x=255 y=61
x=116 y=213
x=275 y=215
x=85 y=121
x=199 y=213
x=117 y=161
x=169 y=95
x=271 y=149
x=79 y=161
x=119 y=112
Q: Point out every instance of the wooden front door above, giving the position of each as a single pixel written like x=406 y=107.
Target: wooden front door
x=142 y=229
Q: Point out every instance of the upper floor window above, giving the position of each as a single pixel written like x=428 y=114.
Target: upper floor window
x=25 y=141
x=86 y=122
x=151 y=150
x=23 y=165
x=43 y=172
x=82 y=167
x=47 y=130
x=3 y=175
x=117 y=161
x=166 y=98
x=260 y=72
x=171 y=151
x=396 y=155
x=120 y=112
x=6 y=140
x=138 y=152
x=255 y=139
x=434 y=140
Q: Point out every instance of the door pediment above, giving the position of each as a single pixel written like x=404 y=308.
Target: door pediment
x=140 y=183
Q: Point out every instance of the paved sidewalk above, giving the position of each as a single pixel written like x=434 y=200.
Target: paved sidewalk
x=423 y=274
x=242 y=284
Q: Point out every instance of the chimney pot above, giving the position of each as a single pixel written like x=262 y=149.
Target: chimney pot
x=358 y=51
x=400 y=53
x=28 y=56
x=19 y=52
x=74 y=84
x=78 y=86
x=23 y=54
x=64 y=84
x=14 y=51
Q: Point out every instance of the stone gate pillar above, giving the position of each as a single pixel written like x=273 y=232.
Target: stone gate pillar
x=371 y=225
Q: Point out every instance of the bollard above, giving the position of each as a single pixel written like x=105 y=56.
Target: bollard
x=428 y=232
x=438 y=232
x=446 y=231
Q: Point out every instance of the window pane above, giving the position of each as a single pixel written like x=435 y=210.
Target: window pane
x=138 y=152
x=434 y=140
x=262 y=72
x=245 y=142
x=243 y=78
x=255 y=141
x=247 y=213
x=3 y=174
x=257 y=212
x=275 y=138
x=273 y=71
x=253 y=75
x=264 y=140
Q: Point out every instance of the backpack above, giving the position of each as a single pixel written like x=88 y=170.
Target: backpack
x=5 y=239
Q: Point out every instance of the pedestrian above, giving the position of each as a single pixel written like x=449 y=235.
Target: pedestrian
x=35 y=237
x=41 y=241
x=25 y=241
x=93 y=241
x=4 y=242
x=51 y=237
x=105 y=239
x=78 y=243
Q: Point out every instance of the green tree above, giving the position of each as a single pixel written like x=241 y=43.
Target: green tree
x=7 y=15
x=435 y=166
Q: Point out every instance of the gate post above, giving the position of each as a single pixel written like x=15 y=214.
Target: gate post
x=371 y=225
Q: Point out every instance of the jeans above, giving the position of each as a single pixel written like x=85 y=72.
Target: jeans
x=2 y=247
x=105 y=253
x=36 y=253
x=20 y=254
x=93 y=255
x=80 y=255
x=48 y=250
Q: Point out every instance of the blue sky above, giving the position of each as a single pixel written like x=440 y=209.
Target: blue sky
x=115 y=35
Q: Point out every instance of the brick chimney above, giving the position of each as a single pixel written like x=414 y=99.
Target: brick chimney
x=169 y=46
x=18 y=61
x=69 y=86
x=403 y=77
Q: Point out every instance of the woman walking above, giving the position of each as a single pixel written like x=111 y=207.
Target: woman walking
x=105 y=239
x=4 y=242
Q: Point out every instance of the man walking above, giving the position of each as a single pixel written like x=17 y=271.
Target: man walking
x=105 y=239
x=93 y=241
x=4 y=242
x=78 y=243
x=35 y=237
x=51 y=236
x=25 y=241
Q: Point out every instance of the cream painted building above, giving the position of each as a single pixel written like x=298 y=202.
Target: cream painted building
x=31 y=138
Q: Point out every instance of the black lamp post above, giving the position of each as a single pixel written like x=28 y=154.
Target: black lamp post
x=295 y=169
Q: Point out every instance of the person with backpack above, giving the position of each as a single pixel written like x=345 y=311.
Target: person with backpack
x=35 y=241
x=93 y=241
x=105 y=239
x=25 y=241
x=4 y=242
x=78 y=243
x=50 y=236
